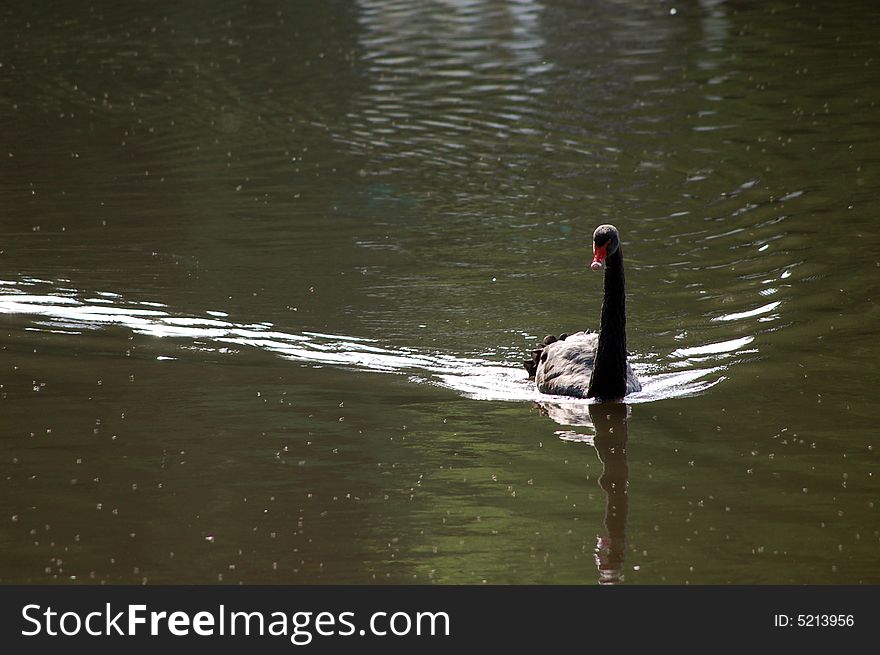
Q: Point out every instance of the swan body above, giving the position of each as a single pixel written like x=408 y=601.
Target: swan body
x=565 y=367
x=587 y=364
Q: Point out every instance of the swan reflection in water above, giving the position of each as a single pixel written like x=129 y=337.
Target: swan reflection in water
x=610 y=422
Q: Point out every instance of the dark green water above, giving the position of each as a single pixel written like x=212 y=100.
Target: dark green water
x=268 y=271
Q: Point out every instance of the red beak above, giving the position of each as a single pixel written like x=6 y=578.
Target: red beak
x=599 y=255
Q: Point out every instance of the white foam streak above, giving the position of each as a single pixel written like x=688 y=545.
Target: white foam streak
x=713 y=348
x=482 y=379
x=765 y=309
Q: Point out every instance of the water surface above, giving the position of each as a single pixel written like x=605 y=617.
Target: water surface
x=267 y=273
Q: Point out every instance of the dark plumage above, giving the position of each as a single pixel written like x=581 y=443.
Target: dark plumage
x=586 y=364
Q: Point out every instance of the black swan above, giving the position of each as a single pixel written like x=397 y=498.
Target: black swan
x=586 y=364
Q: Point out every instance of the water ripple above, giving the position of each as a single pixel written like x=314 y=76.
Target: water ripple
x=70 y=312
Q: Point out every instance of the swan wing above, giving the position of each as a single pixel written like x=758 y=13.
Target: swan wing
x=565 y=366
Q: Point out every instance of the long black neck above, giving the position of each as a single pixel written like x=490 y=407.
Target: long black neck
x=609 y=369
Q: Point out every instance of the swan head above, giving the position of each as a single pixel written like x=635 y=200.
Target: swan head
x=606 y=242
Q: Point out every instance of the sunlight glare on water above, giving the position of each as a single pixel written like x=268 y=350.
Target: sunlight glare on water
x=475 y=378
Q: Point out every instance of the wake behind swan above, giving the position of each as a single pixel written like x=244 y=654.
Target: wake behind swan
x=54 y=307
